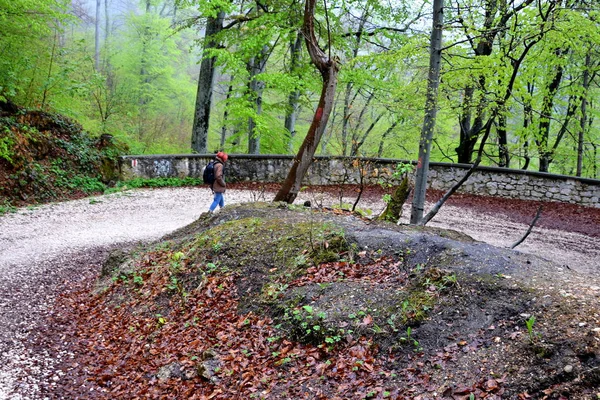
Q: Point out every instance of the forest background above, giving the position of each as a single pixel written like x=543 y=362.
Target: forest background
x=180 y=76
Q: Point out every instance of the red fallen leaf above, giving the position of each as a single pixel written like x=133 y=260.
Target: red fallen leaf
x=368 y=367
x=524 y=395
x=491 y=385
x=463 y=390
x=368 y=320
x=320 y=368
x=215 y=394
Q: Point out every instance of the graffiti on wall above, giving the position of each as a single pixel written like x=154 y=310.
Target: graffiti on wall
x=162 y=168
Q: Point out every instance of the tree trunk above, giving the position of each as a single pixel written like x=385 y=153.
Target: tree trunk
x=329 y=71
x=527 y=120
x=545 y=153
x=594 y=158
x=97 y=37
x=583 y=117
x=383 y=137
x=256 y=66
x=144 y=76
x=357 y=144
x=205 y=86
x=469 y=134
x=294 y=97
x=495 y=18
x=357 y=141
x=107 y=65
x=226 y=114
x=349 y=85
x=393 y=210
x=503 y=155
x=435 y=58
x=346 y=118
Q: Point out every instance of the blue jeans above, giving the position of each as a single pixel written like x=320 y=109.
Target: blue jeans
x=218 y=201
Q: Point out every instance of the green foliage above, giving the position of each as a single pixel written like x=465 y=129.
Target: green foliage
x=27 y=32
x=48 y=157
x=143 y=93
x=307 y=325
x=7 y=144
x=6 y=208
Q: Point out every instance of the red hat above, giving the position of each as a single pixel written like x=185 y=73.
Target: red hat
x=222 y=156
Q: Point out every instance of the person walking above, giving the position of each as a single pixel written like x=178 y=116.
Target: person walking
x=218 y=187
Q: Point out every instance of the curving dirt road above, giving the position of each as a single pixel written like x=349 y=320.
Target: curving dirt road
x=48 y=249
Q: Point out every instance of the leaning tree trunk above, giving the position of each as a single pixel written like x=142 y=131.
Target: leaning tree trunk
x=205 y=86
x=329 y=71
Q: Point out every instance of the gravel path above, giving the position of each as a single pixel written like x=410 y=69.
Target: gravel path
x=45 y=250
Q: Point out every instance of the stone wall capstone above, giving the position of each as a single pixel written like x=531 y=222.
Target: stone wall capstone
x=490 y=181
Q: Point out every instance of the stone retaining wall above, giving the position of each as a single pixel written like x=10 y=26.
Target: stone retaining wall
x=492 y=181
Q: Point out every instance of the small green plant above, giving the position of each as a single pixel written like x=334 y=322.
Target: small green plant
x=529 y=323
x=158 y=182
x=410 y=340
x=87 y=184
x=274 y=290
x=176 y=261
x=160 y=320
x=402 y=169
x=450 y=280
x=6 y=148
x=6 y=208
x=178 y=256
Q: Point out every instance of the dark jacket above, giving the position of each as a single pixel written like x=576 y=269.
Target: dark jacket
x=219 y=185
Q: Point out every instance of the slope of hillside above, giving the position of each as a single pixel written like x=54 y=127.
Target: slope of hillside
x=47 y=157
x=327 y=306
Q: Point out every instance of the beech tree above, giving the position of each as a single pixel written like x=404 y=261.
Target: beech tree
x=214 y=25
x=328 y=68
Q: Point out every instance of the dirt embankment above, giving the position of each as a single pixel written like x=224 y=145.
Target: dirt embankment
x=273 y=302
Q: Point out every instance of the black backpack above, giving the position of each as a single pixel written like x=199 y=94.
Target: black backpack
x=208 y=176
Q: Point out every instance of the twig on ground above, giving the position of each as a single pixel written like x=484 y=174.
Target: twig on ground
x=537 y=216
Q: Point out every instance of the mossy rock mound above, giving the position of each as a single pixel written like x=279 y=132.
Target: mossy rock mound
x=435 y=299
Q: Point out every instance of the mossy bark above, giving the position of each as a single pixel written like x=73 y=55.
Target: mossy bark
x=393 y=211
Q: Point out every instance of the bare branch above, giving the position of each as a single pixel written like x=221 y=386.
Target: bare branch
x=537 y=216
